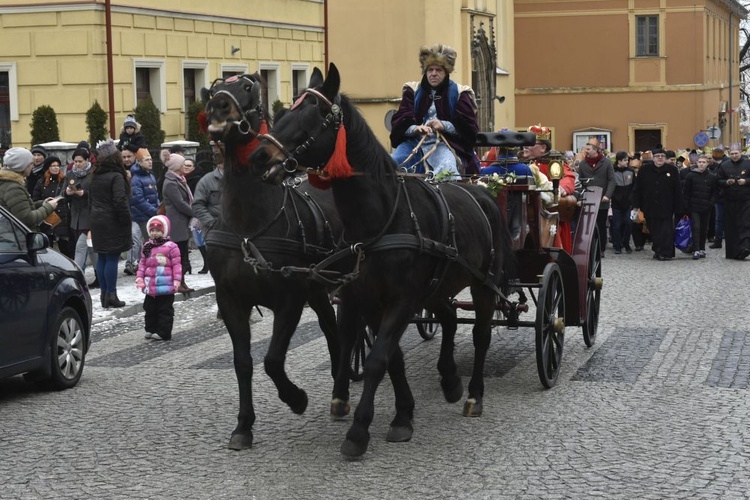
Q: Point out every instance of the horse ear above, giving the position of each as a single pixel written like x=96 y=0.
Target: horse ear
x=205 y=95
x=316 y=79
x=255 y=93
x=331 y=85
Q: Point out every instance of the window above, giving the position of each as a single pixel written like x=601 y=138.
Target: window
x=299 y=80
x=8 y=103
x=149 y=81
x=228 y=70
x=194 y=78
x=646 y=35
x=270 y=73
x=11 y=240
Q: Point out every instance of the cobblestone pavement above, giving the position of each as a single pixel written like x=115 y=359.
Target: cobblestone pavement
x=658 y=408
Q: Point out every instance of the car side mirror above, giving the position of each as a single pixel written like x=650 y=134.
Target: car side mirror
x=36 y=242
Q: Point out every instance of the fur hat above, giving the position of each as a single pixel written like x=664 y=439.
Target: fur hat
x=39 y=149
x=161 y=222
x=106 y=148
x=130 y=122
x=437 y=55
x=17 y=159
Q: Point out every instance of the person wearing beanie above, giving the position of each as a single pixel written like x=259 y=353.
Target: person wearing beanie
x=621 y=224
x=658 y=193
x=109 y=199
x=52 y=185
x=77 y=185
x=177 y=202
x=131 y=137
x=734 y=179
x=159 y=276
x=14 y=195
x=699 y=193
x=717 y=228
x=38 y=170
x=436 y=109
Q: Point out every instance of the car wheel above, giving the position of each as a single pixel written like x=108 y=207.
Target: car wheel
x=67 y=349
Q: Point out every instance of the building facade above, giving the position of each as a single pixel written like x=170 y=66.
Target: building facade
x=56 y=54
x=637 y=72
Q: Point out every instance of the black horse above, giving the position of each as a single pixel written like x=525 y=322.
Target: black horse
x=422 y=244
x=264 y=229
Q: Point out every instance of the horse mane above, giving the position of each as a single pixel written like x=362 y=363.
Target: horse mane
x=364 y=151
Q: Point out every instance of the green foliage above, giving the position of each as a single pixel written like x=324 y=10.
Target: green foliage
x=193 y=132
x=147 y=114
x=44 y=125
x=96 y=124
x=277 y=106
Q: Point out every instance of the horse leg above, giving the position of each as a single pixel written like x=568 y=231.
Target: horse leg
x=349 y=323
x=484 y=303
x=320 y=303
x=395 y=321
x=450 y=382
x=401 y=427
x=236 y=316
x=285 y=321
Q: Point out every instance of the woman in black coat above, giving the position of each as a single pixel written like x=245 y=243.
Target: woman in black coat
x=110 y=218
x=51 y=185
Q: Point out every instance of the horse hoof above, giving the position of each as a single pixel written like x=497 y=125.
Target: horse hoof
x=300 y=406
x=240 y=441
x=452 y=391
x=353 y=450
x=399 y=434
x=339 y=409
x=472 y=408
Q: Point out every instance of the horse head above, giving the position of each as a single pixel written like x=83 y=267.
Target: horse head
x=234 y=110
x=305 y=138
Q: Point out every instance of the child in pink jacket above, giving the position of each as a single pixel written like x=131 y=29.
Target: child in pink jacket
x=159 y=275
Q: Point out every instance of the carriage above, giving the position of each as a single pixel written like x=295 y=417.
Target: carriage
x=389 y=244
x=565 y=287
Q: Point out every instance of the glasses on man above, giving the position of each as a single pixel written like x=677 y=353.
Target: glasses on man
x=660 y=156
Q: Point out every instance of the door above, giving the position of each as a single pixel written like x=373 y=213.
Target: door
x=647 y=139
x=23 y=298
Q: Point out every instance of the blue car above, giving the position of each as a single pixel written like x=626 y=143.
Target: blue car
x=45 y=309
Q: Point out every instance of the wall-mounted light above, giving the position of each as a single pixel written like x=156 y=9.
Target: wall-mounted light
x=235 y=49
x=500 y=98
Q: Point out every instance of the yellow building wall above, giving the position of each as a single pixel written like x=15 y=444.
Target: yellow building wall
x=376 y=55
x=60 y=53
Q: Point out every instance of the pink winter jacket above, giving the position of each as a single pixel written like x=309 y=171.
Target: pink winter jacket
x=161 y=269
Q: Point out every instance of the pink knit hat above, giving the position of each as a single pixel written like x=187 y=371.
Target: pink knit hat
x=161 y=222
x=171 y=160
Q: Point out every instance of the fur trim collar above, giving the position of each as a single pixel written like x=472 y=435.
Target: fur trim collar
x=9 y=175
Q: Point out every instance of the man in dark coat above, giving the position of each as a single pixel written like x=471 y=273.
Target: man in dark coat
x=699 y=194
x=734 y=179
x=658 y=193
x=436 y=105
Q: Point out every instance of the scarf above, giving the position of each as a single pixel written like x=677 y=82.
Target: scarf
x=153 y=242
x=593 y=161
x=83 y=172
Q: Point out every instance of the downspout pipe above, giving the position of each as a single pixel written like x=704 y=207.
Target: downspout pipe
x=731 y=115
x=110 y=71
x=325 y=34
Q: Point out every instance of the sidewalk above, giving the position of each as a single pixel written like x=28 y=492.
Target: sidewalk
x=133 y=298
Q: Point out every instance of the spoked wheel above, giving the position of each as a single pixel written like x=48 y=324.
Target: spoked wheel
x=550 y=325
x=362 y=348
x=427 y=330
x=593 y=292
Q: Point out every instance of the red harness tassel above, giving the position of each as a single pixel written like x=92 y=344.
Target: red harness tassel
x=338 y=166
x=263 y=128
x=202 y=122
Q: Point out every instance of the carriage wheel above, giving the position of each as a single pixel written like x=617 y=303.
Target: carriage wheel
x=550 y=325
x=427 y=330
x=362 y=348
x=593 y=292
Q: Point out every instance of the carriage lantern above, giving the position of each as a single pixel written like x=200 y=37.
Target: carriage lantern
x=555 y=170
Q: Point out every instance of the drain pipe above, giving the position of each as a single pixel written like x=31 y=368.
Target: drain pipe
x=325 y=35
x=729 y=106
x=110 y=72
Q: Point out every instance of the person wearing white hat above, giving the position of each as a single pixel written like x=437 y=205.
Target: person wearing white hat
x=17 y=165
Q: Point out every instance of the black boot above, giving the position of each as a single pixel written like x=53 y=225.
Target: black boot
x=716 y=243
x=205 y=264
x=113 y=301
x=103 y=298
x=95 y=283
